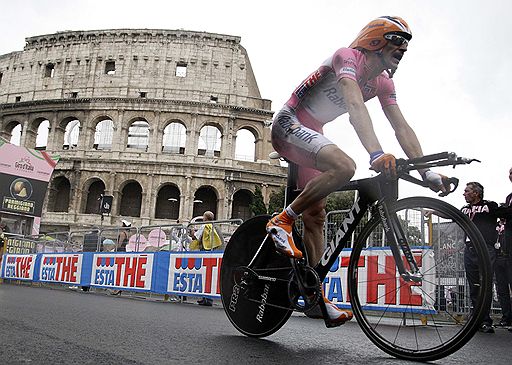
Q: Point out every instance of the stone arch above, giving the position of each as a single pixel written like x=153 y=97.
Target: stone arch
x=138 y=134
x=245 y=146
x=37 y=133
x=12 y=132
x=210 y=140
x=175 y=137
x=59 y=194
x=94 y=188
x=205 y=198
x=103 y=132
x=130 y=199
x=241 y=204
x=168 y=202
x=67 y=134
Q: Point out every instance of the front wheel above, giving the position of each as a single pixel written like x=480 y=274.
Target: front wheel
x=433 y=316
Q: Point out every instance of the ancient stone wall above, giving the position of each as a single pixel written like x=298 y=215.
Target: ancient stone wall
x=150 y=117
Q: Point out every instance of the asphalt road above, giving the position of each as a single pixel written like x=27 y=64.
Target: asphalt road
x=60 y=326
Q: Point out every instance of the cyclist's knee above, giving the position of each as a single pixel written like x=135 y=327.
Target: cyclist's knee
x=337 y=163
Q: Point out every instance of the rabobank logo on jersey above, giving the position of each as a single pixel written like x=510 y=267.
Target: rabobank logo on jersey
x=195 y=274
x=130 y=271
x=63 y=268
x=19 y=267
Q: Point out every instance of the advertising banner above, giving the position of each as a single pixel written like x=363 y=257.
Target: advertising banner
x=61 y=268
x=123 y=271
x=380 y=283
x=24 y=177
x=18 y=245
x=19 y=267
x=195 y=273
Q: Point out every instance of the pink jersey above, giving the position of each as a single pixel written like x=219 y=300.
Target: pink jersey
x=318 y=99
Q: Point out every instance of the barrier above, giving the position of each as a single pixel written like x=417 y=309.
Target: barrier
x=196 y=273
x=157 y=260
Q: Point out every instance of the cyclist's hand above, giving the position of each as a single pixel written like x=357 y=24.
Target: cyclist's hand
x=385 y=163
x=436 y=182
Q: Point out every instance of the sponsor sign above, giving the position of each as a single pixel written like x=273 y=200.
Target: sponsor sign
x=380 y=285
x=19 y=267
x=19 y=245
x=195 y=273
x=124 y=271
x=61 y=268
x=24 y=176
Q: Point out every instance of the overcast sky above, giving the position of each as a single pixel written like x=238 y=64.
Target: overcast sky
x=453 y=85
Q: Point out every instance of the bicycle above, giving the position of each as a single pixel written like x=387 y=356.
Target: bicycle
x=260 y=288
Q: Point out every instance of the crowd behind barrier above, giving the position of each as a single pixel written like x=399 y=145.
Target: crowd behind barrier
x=157 y=259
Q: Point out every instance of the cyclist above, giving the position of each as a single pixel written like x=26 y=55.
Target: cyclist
x=342 y=84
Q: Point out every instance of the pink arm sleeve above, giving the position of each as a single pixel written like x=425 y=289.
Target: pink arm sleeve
x=386 y=92
x=344 y=64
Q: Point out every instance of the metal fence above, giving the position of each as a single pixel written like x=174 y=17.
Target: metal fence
x=172 y=237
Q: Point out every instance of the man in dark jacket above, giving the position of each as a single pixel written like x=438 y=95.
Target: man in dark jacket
x=484 y=214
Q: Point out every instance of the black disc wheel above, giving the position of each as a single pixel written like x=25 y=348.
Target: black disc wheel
x=431 y=316
x=254 y=281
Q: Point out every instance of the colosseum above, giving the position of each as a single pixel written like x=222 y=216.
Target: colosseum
x=169 y=122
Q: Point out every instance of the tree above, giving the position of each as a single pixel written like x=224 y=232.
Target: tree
x=257 y=205
x=276 y=201
x=340 y=200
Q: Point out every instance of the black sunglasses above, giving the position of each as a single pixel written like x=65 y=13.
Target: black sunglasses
x=396 y=40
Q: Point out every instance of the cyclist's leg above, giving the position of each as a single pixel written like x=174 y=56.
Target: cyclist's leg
x=335 y=169
x=313 y=234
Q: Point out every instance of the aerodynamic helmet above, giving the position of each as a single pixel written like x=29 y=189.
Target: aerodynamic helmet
x=382 y=30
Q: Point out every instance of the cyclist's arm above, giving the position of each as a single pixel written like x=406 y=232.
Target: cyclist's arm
x=403 y=131
x=358 y=114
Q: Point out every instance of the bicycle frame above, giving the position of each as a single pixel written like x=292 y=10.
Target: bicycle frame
x=373 y=192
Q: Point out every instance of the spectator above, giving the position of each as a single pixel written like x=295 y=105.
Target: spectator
x=91 y=240
x=503 y=274
x=207 y=237
x=504 y=262
x=483 y=213
x=122 y=238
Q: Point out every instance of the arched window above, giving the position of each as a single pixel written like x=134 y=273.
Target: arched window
x=205 y=199
x=241 y=201
x=209 y=141
x=58 y=196
x=42 y=135
x=138 y=135
x=175 y=138
x=168 y=202
x=96 y=189
x=71 y=134
x=245 y=145
x=103 y=135
x=16 y=135
x=131 y=200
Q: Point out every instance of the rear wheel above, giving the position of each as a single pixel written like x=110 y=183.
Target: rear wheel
x=255 y=298
x=431 y=318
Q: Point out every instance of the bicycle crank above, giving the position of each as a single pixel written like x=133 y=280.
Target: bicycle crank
x=304 y=288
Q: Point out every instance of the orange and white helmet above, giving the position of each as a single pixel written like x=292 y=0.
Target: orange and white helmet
x=382 y=30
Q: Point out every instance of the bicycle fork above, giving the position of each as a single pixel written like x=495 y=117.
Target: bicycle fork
x=398 y=241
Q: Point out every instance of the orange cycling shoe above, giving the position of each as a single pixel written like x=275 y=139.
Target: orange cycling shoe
x=280 y=229
x=337 y=316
